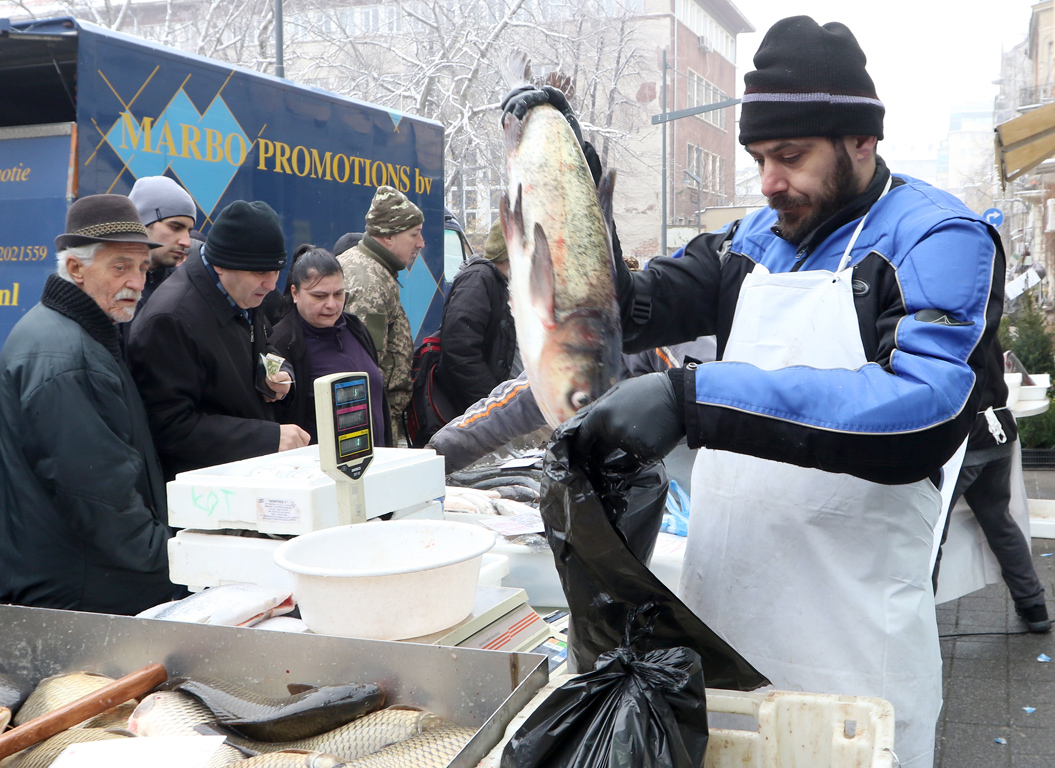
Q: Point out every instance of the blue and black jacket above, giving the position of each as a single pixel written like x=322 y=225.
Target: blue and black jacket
x=928 y=289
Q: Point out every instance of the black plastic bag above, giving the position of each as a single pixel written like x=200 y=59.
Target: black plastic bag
x=602 y=529
x=631 y=711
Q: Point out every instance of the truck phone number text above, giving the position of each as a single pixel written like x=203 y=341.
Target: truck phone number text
x=23 y=252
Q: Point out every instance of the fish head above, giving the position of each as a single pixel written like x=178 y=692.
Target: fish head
x=139 y=720
x=578 y=364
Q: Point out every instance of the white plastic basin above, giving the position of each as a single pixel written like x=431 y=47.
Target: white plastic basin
x=386 y=580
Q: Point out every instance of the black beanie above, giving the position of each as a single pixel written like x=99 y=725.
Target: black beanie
x=246 y=236
x=809 y=81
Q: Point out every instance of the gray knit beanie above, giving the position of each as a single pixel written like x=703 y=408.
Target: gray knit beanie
x=391 y=213
x=159 y=197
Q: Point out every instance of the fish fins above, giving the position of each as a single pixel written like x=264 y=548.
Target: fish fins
x=297 y=688
x=512 y=218
x=542 y=279
x=212 y=729
x=513 y=127
x=516 y=69
x=605 y=195
x=561 y=82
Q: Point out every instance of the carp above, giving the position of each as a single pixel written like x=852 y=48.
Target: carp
x=265 y=718
x=57 y=691
x=562 y=274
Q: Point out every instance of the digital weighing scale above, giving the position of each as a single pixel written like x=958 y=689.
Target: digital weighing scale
x=346 y=441
x=219 y=504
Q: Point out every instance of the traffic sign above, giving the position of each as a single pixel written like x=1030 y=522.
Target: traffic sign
x=994 y=217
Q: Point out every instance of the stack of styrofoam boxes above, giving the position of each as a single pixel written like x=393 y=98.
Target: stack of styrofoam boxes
x=284 y=495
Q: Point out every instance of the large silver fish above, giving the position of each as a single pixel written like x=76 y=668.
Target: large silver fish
x=293 y=758
x=434 y=748
x=289 y=718
x=562 y=279
x=170 y=713
x=228 y=605
x=57 y=691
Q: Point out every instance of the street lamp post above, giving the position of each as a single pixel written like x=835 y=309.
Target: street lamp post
x=280 y=67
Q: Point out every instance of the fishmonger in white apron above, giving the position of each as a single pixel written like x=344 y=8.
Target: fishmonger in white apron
x=821 y=580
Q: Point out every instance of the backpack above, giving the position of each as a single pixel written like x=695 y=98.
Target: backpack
x=428 y=409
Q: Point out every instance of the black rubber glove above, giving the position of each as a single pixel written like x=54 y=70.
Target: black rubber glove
x=519 y=100
x=635 y=424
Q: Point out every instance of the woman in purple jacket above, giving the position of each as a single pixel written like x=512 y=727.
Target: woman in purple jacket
x=320 y=338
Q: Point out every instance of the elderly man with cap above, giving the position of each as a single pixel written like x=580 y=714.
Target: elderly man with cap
x=168 y=213
x=854 y=319
x=479 y=343
x=391 y=243
x=82 y=500
x=195 y=349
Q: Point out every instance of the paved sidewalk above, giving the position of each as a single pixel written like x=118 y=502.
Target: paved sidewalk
x=989 y=678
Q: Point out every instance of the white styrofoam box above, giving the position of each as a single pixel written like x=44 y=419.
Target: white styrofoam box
x=251 y=495
x=202 y=559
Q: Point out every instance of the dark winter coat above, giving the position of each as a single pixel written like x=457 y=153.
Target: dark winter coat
x=477 y=336
x=196 y=361
x=82 y=501
x=288 y=340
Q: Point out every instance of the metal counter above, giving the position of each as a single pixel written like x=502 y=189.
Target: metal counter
x=480 y=689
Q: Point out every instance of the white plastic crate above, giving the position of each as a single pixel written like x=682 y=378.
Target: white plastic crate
x=794 y=730
x=248 y=494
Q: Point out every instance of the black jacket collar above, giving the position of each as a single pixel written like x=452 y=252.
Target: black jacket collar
x=67 y=299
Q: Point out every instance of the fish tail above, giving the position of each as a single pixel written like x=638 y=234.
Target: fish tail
x=516 y=70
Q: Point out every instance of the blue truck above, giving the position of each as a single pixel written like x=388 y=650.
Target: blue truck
x=87 y=110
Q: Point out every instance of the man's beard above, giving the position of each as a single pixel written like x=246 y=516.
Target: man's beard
x=836 y=193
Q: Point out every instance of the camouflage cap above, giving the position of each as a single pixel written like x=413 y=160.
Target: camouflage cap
x=391 y=213
x=495 y=247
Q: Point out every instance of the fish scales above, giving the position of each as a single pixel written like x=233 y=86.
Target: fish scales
x=293 y=759
x=358 y=738
x=170 y=713
x=47 y=751
x=283 y=719
x=57 y=691
x=435 y=748
x=562 y=280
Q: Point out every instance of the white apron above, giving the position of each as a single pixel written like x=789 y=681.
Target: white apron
x=820 y=580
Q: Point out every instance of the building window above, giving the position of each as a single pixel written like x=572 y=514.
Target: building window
x=703 y=92
x=703 y=25
x=706 y=166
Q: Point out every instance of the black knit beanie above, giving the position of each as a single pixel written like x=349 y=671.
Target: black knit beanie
x=246 y=236
x=809 y=81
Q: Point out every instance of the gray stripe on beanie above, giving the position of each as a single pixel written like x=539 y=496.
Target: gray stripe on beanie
x=828 y=98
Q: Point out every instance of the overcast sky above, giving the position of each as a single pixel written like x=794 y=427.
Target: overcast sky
x=926 y=57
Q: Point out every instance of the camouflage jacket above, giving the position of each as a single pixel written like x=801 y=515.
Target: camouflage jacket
x=372 y=295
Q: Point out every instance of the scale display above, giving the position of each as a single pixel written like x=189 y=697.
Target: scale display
x=342 y=413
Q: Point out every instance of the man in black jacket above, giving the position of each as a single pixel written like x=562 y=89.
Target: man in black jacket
x=82 y=501
x=195 y=350
x=477 y=331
